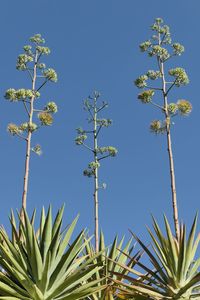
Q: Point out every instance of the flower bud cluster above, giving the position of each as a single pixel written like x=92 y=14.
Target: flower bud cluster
x=51 y=107
x=104 y=122
x=112 y=151
x=184 y=107
x=43 y=50
x=180 y=76
x=37 y=39
x=145 y=45
x=80 y=139
x=13 y=129
x=23 y=60
x=28 y=127
x=178 y=48
x=160 y=52
x=91 y=169
x=153 y=75
x=172 y=108
x=50 y=74
x=45 y=118
x=20 y=94
x=37 y=149
x=146 y=96
x=158 y=126
x=140 y=82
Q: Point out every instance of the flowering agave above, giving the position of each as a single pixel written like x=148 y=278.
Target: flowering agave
x=43 y=264
x=94 y=108
x=156 y=88
x=36 y=117
x=175 y=273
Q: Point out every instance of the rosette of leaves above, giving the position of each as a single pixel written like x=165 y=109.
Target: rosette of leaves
x=44 y=264
x=113 y=259
x=175 y=266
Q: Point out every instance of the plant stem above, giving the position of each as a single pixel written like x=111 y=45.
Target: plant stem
x=28 y=143
x=170 y=152
x=96 y=202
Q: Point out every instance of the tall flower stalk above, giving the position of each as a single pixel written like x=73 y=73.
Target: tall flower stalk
x=93 y=108
x=30 y=62
x=160 y=47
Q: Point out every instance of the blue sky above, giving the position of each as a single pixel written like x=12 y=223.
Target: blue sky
x=94 y=46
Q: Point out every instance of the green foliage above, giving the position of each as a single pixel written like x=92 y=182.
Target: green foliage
x=113 y=259
x=174 y=273
x=43 y=264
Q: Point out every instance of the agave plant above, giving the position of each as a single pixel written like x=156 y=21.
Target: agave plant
x=175 y=273
x=43 y=264
x=111 y=258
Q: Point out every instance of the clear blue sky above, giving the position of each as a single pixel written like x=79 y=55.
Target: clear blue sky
x=95 y=46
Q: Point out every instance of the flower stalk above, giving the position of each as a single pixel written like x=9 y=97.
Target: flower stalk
x=91 y=105
x=160 y=47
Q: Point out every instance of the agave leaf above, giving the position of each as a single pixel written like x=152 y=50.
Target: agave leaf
x=189 y=249
x=58 y=220
x=46 y=234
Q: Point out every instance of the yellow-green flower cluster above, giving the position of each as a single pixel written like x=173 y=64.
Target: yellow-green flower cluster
x=13 y=129
x=37 y=149
x=151 y=74
x=91 y=169
x=178 y=48
x=157 y=127
x=104 y=122
x=50 y=74
x=180 y=76
x=184 y=107
x=172 y=108
x=160 y=52
x=41 y=66
x=80 y=139
x=109 y=149
x=23 y=60
x=45 y=118
x=146 y=96
x=28 y=127
x=43 y=50
x=37 y=39
x=140 y=82
x=51 y=107
x=145 y=46
x=20 y=94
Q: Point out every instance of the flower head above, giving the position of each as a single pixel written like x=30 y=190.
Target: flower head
x=146 y=96
x=45 y=118
x=180 y=76
x=50 y=74
x=184 y=107
x=51 y=107
x=140 y=82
